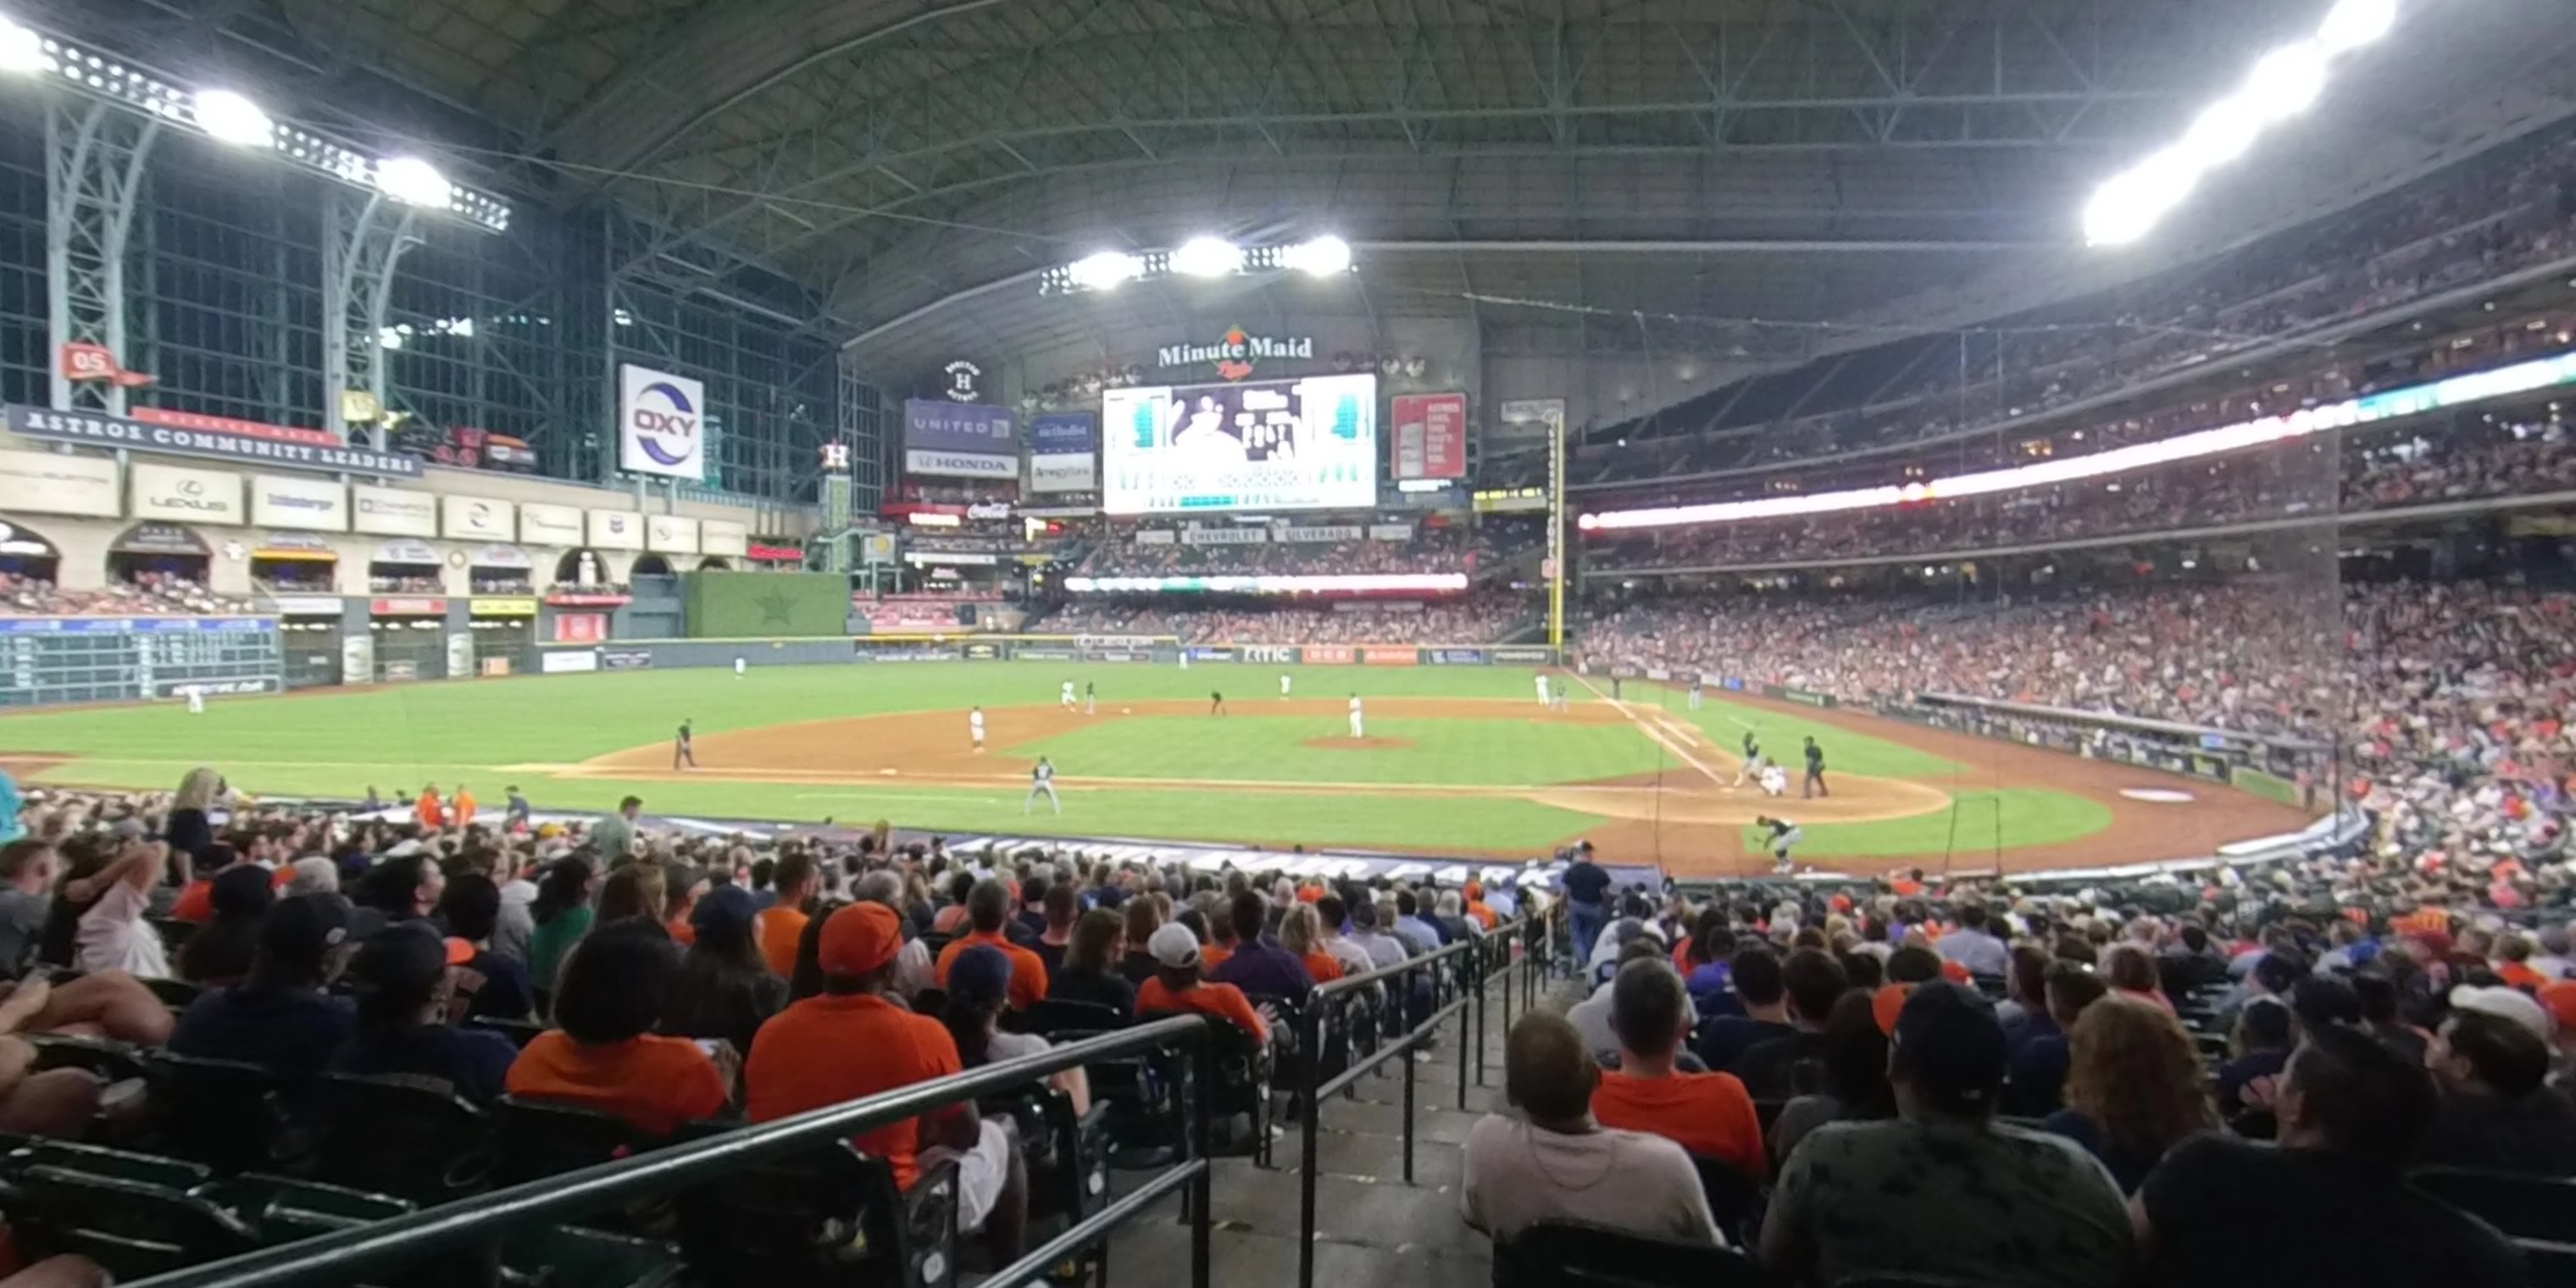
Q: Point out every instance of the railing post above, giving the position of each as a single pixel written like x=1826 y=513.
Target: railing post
x=1203 y=1186
x=1313 y=1025
x=1408 y=1104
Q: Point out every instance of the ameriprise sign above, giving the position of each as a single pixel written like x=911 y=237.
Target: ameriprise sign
x=94 y=430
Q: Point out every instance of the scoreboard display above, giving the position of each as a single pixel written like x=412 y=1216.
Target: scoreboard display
x=112 y=659
x=1282 y=445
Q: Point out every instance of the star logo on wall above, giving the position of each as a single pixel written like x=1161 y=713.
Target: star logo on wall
x=775 y=608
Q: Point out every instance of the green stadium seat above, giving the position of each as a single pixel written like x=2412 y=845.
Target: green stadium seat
x=568 y=1257
x=2525 y=1207
x=832 y=1217
x=1734 y=1198
x=520 y=1032
x=1570 y=1254
x=174 y=993
x=228 y=1114
x=394 y=1136
x=135 y=1228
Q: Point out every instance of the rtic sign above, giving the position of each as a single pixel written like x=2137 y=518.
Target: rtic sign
x=1235 y=353
x=1271 y=654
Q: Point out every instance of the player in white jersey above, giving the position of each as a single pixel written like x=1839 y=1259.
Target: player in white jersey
x=1042 y=782
x=1359 y=719
x=1066 y=701
x=975 y=727
x=1283 y=688
x=1542 y=689
x=196 y=700
x=1775 y=780
x=738 y=667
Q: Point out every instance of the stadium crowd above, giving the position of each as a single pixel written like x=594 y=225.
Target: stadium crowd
x=1122 y=553
x=1480 y=618
x=2502 y=211
x=146 y=593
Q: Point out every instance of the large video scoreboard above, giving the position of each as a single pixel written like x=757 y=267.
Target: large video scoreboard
x=106 y=659
x=1283 y=445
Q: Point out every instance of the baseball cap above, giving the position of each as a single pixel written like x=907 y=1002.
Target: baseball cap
x=723 y=907
x=1950 y=1044
x=858 y=939
x=979 y=972
x=1174 y=946
x=303 y=928
x=405 y=961
x=2505 y=1004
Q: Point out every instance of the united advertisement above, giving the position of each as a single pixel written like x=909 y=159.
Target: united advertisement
x=959 y=440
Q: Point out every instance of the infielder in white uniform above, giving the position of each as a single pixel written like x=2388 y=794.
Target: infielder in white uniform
x=1042 y=781
x=196 y=701
x=738 y=667
x=1775 y=780
x=975 y=726
x=1542 y=689
x=1283 y=688
x=1359 y=722
x=1066 y=698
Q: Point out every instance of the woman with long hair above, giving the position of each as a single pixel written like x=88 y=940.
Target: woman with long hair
x=563 y=914
x=725 y=989
x=807 y=979
x=1144 y=916
x=97 y=921
x=1091 y=962
x=1855 y=1086
x=188 y=828
x=1301 y=931
x=219 y=953
x=2133 y=974
x=635 y=890
x=2135 y=1087
x=604 y=1055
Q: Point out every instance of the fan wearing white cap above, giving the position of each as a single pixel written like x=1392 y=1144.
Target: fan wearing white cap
x=1177 y=989
x=2491 y=1059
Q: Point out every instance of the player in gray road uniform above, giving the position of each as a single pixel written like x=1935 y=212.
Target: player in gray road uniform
x=1042 y=783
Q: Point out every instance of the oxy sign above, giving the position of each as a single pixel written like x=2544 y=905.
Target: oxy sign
x=661 y=423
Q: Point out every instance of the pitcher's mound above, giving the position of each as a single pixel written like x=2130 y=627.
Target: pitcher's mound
x=1358 y=744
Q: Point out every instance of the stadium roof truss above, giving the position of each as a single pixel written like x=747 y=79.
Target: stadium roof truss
x=1498 y=159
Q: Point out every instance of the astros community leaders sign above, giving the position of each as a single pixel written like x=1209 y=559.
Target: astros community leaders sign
x=220 y=444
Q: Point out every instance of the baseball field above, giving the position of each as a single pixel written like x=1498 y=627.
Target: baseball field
x=1460 y=760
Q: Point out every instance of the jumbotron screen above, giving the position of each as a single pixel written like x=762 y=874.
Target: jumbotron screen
x=1306 y=444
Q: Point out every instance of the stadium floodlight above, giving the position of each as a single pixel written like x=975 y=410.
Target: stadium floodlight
x=414 y=182
x=21 y=50
x=227 y=117
x=2352 y=24
x=1106 y=270
x=2125 y=208
x=2287 y=82
x=1324 y=256
x=1208 y=257
x=2222 y=133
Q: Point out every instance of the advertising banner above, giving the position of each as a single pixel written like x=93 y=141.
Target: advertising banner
x=1154 y=537
x=1224 y=536
x=661 y=423
x=1334 y=533
x=474 y=518
x=544 y=524
x=983 y=652
x=671 y=534
x=504 y=606
x=580 y=628
x=1390 y=532
x=1389 y=656
x=1270 y=654
x=358 y=659
x=45 y=483
x=1117 y=655
x=625 y=659
x=1803 y=697
x=1454 y=656
x=1430 y=436
x=1330 y=654
x=215 y=438
x=499 y=556
x=285 y=501
x=567 y=661
x=1520 y=656
x=616 y=529
x=1064 y=453
x=1044 y=653
x=723 y=537
x=1211 y=654
x=960 y=440
x=183 y=495
x=388 y=512
x=1529 y=420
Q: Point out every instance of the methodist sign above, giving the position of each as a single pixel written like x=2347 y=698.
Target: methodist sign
x=218 y=438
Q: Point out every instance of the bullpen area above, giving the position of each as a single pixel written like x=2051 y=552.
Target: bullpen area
x=1458 y=760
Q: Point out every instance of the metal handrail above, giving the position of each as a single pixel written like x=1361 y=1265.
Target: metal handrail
x=1474 y=950
x=349 y=1256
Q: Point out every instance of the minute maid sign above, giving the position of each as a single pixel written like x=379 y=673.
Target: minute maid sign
x=1235 y=353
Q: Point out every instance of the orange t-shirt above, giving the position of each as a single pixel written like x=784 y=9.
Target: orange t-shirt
x=196 y=902
x=828 y=1049
x=684 y=933
x=1708 y=1114
x=462 y=808
x=1323 y=967
x=950 y=920
x=1224 y=1001
x=1212 y=956
x=1028 y=970
x=2517 y=974
x=426 y=811
x=1955 y=972
x=779 y=930
x=656 y=1083
x=1484 y=916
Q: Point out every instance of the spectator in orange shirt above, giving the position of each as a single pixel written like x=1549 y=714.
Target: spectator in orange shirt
x=605 y=1055
x=1302 y=932
x=848 y=1041
x=196 y=899
x=1476 y=906
x=986 y=908
x=1176 y=986
x=2513 y=964
x=426 y=811
x=460 y=807
x=784 y=923
x=1708 y=1114
x=682 y=887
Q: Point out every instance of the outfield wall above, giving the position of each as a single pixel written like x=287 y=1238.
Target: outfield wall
x=1150 y=650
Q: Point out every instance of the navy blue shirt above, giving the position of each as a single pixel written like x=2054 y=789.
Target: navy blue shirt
x=1266 y=968
x=495 y=986
x=291 y=1030
x=1586 y=882
x=474 y=1062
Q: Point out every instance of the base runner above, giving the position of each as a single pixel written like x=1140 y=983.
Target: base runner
x=975 y=728
x=1042 y=782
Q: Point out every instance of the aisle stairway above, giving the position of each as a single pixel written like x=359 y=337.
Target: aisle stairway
x=1372 y=1229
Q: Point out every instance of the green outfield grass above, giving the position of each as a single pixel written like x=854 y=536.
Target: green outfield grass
x=1986 y=821
x=494 y=733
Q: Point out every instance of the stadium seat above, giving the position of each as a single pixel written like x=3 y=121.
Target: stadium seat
x=229 y=1114
x=1055 y=1015
x=174 y=993
x=1734 y=1198
x=539 y=1139
x=2525 y=1207
x=520 y=1032
x=832 y=1217
x=100 y=1209
x=552 y=1256
x=1570 y=1254
x=110 y=1060
x=1066 y=1155
x=395 y=1136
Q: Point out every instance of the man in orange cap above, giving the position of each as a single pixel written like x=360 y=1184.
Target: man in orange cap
x=850 y=1042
